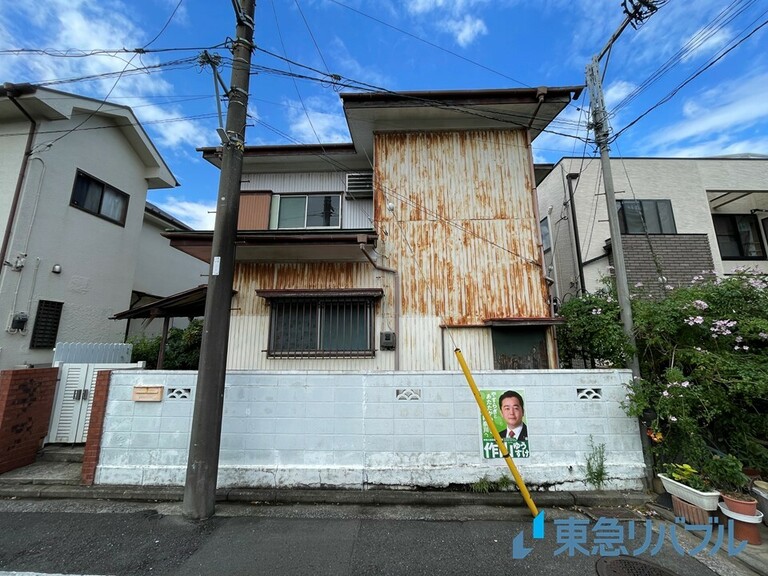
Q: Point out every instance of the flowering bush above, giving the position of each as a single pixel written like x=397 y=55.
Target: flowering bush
x=703 y=352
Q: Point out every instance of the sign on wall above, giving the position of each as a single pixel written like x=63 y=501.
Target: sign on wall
x=507 y=410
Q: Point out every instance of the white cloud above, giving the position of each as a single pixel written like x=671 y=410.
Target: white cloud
x=91 y=25
x=198 y=215
x=466 y=30
x=351 y=68
x=319 y=121
x=459 y=18
x=723 y=117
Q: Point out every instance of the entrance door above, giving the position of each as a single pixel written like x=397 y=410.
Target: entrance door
x=74 y=398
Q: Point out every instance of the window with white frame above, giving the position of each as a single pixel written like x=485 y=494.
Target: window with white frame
x=301 y=211
x=546 y=239
x=318 y=326
x=646 y=217
x=98 y=198
x=738 y=237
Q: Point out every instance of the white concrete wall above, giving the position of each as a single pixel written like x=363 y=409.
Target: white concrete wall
x=357 y=430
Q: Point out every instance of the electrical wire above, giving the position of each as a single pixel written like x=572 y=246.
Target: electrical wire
x=432 y=44
x=317 y=47
x=295 y=85
x=725 y=17
x=690 y=79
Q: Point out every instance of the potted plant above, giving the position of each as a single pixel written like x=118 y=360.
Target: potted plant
x=726 y=473
x=688 y=484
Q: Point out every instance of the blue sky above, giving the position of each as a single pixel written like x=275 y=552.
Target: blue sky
x=400 y=45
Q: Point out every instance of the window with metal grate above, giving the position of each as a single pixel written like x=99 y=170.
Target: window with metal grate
x=46 y=324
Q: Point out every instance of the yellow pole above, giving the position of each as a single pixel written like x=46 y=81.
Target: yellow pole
x=499 y=441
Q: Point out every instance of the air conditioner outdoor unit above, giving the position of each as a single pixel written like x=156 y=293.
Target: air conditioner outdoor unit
x=359 y=185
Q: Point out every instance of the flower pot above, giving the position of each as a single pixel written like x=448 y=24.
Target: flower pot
x=760 y=491
x=691 y=513
x=744 y=527
x=744 y=504
x=705 y=500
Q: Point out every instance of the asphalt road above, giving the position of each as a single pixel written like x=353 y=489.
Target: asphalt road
x=70 y=537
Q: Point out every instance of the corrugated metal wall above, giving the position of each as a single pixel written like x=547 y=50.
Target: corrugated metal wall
x=463 y=233
x=249 y=326
x=288 y=183
x=463 y=237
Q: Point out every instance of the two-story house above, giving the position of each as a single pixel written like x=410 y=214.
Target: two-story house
x=679 y=218
x=389 y=252
x=78 y=240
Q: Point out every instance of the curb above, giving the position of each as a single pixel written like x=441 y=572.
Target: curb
x=324 y=496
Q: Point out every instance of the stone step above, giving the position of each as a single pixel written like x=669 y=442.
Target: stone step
x=61 y=453
x=58 y=473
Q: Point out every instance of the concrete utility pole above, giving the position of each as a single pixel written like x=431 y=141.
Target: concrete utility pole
x=601 y=137
x=203 y=462
x=637 y=11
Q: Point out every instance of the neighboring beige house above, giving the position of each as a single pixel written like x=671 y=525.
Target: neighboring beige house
x=680 y=218
x=386 y=253
x=79 y=242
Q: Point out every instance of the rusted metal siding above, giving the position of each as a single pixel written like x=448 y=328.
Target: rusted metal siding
x=463 y=233
x=249 y=327
x=254 y=211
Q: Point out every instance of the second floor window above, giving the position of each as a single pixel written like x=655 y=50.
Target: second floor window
x=306 y=211
x=99 y=198
x=738 y=237
x=646 y=216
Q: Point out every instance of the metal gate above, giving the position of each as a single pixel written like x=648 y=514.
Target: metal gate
x=73 y=401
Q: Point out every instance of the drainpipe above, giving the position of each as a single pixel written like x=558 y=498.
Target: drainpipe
x=541 y=93
x=396 y=296
x=579 y=261
x=11 y=91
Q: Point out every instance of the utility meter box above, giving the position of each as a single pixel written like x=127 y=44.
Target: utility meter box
x=19 y=321
x=388 y=341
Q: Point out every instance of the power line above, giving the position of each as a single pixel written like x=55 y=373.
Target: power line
x=690 y=79
x=718 y=23
x=414 y=36
x=295 y=85
x=338 y=80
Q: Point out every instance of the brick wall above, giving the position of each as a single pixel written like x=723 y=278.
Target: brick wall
x=95 y=427
x=26 y=401
x=680 y=256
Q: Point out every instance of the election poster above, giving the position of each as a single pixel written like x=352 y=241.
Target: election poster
x=507 y=410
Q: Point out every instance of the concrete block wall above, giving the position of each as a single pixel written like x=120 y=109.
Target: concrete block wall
x=362 y=430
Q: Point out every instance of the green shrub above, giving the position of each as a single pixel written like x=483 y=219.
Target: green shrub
x=182 y=348
x=703 y=352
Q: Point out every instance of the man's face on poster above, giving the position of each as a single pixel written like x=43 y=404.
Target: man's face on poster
x=512 y=412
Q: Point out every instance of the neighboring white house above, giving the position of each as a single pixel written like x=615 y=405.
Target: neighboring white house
x=679 y=218
x=77 y=238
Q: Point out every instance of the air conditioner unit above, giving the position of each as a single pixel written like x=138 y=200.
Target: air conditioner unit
x=359 y=185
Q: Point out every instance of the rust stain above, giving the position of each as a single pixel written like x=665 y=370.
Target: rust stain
x=464 y=205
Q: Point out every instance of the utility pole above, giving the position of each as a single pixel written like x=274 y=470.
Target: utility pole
x=636 y=12
x=600 y=126
x=205 y=439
